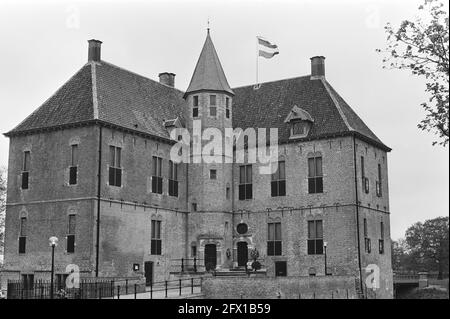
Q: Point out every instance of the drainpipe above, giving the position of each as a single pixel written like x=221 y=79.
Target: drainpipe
x=97 y=244
x=357 y=215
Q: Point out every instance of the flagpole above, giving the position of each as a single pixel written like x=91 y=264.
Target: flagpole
x=257 y=62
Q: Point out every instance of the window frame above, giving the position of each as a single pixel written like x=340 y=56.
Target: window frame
x=315 y=242
x=246 y=182
x=156 y=241
x=73 y=168
x=115 y=166
x=70 y=238
x=173 y=179
x=157 y=178
x=379 y=187
x=278 y=180
x=274 y=239
x=315 y=180
x=25 y=174
x=213 y=105
x=23 y=229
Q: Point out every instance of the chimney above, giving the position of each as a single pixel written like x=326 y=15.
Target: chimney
x=167 y=78
x=94 y=50
x=317 y=67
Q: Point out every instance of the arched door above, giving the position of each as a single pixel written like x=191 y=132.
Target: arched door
x=242 y=253
x=210 y=257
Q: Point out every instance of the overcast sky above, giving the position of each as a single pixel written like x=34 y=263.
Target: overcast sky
x=43 y=43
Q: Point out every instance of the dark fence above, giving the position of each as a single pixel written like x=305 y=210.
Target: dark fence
x=88 y=289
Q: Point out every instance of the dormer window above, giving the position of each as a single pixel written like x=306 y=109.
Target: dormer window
x=300 y=122
x=299 y=128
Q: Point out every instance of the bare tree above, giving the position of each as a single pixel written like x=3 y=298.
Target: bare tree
x=422 y=46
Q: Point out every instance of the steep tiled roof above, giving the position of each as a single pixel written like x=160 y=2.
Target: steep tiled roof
x=208 y=73
x=135 y=102
x=104 y=92
x=269 y=105
x=72 y=103
x=100 y=91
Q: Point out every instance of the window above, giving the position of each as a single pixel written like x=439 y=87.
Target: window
x=245 y=182
x=315 y=237
x=378 y=183
x=25 y=169
x=381 y=240
x=274 y=239
x=227 y=108
x=363 y=173
x=156 y=238
x=173 y=179
x=278 y=184
x=227 y=192
x=73 y=169
x=213 y=174
x=23 y=235
x=364 y=179
x=70 y=248
x=280 y=269
x=195 y=106
x=194 y=207
x=115 y=170
x=157 y=179
x=367 y=245
x=315 y=177
x=298 y=128
x=194 y=250
x=212 y=105
x=367 y=242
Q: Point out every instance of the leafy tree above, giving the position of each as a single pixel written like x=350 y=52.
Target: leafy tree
x=422 y=46
x=428 y=243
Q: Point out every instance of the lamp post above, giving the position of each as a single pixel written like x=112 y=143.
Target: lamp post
x=53 y=241
x=325 y=252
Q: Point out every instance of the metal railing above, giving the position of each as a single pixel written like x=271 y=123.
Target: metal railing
x=186 y=265
x=160 y=289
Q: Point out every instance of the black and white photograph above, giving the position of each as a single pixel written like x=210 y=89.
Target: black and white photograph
x=236 y=153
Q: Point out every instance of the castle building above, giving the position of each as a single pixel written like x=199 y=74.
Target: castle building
x=92 y=166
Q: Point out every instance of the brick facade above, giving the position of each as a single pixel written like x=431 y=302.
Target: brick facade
x=205 y=212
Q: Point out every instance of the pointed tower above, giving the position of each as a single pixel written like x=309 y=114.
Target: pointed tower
x=209 y=98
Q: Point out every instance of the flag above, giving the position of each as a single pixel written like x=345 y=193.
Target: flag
x=267 y=50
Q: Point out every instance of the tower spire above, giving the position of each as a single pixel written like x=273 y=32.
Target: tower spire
x=208 y=74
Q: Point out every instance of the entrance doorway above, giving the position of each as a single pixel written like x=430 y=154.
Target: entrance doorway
x=148 y=271
x=210 y=257
x=242 y=253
